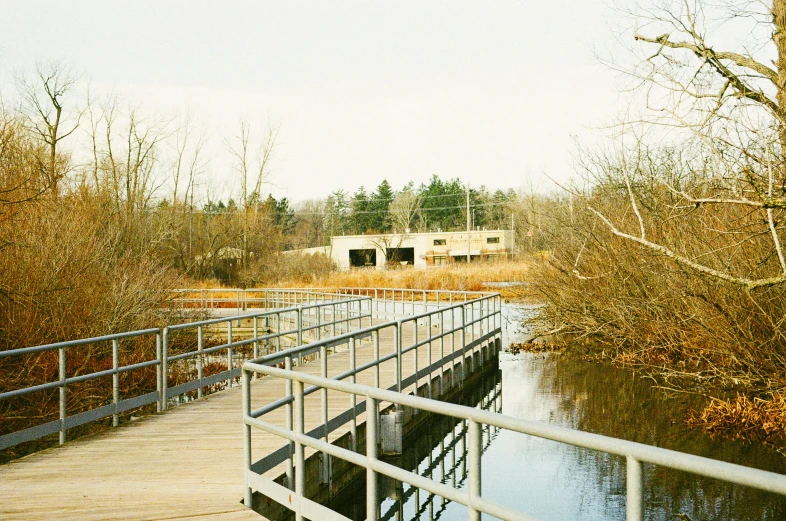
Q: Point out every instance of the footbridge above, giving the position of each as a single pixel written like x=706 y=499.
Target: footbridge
x=271 y=405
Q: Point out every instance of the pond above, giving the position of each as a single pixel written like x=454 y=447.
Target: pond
x=554 y=481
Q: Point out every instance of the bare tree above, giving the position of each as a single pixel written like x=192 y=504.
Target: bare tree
x=404 y=208
x=730 y=105
x=44 y=98
x=254 y=170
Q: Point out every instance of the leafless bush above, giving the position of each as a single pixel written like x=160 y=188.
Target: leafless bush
x=291 y=267
x=640 y=306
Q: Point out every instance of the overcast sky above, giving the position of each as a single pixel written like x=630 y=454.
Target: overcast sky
x=489 y=92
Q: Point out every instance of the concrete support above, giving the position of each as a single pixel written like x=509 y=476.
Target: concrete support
x=392 y=432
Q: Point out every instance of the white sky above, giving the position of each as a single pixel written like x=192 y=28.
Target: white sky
x=490 y=92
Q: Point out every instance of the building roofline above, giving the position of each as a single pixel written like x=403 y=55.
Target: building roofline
x=413 y=234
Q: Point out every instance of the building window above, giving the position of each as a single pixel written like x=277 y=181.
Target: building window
x=440 y=259
x=440 y=242
x=492 y=240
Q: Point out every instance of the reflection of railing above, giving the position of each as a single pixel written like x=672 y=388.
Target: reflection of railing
x=451 y=459
x=167 y=350
x=635 y=453
x=476 y=322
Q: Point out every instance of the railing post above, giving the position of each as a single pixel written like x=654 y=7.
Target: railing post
x=256 y=342
x=441 y=351
x=475 y=447
x=159 y=372
x=635 y=483
x=290 y=468
x=248 y=496
x=300 y=467
x=200 y=359
x=430 y=356
x=353 y=401
x=463 y=340
x=318 y=311
x=376 y=357
x=417 y=354
x=115 y=381
x=61 y=374
x=372 y=415
x=481 y=316
x=278 y=331
x=300 y=325
x=397 y=341
x=333 y=317
x=452 y=342
x=229 y=354
x=324 y=373
x=164 y=368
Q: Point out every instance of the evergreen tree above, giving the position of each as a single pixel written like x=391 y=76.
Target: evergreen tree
x=359 y=215
x=379 y=218
x=443 y=204
x=337 y=213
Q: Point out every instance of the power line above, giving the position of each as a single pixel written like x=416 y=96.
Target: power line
x=370 y=197
x=419 y=209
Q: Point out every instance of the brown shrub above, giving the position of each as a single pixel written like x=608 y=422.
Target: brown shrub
x=741 y=417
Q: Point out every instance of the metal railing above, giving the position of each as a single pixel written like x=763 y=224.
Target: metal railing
x=469 y=325
x=634 y=453
x=450 y=460
x=403 y=302
x=241 y=299
x=177 y=352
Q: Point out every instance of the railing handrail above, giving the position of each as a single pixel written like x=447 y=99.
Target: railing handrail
x=634 y=452
x=415 y=290
x=352 y=309
x=260 y=314
x=344 y=337
x=78 y=342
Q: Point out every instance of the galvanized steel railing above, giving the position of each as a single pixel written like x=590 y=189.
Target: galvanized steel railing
x=242 y=299
x=469 y=325
x=336 y=312
x=635 y=453
x=371 y=396
x=403 y=302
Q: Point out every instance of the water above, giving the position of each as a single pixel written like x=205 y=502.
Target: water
x=554 y=481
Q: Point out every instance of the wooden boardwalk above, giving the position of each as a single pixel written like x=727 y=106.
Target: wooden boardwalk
x=185 y=463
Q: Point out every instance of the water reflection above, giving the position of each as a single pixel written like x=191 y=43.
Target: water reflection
x=618 y=402
x=554 y=481
x=437 y=451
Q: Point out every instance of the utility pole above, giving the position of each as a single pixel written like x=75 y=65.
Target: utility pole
x=469 y=225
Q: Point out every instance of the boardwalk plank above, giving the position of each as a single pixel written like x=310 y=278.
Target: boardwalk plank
x=184 y=464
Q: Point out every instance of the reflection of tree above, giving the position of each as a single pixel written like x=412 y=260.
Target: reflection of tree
x=617 y=402
x=390 y=246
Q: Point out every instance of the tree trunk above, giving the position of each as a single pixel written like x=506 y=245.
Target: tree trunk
x=779 y=38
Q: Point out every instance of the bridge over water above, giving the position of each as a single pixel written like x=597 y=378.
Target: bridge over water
x=273 y=400
x=187 y=460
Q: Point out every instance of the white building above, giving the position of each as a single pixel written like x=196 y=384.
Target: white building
x=419 y=249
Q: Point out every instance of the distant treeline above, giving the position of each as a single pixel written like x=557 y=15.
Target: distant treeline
x=429 y=207
x=103 y=203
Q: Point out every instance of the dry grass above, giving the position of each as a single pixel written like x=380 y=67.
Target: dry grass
x=537 y=347
x=459 y=277
x=757 y=419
